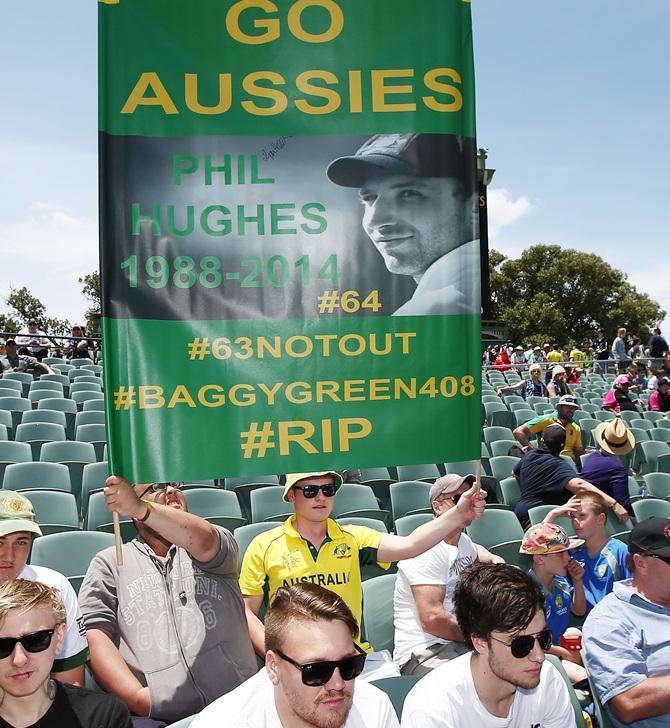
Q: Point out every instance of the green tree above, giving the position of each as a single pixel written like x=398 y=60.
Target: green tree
x=554 y=294
x=7 y=323
x=28 y=307
x=91 y=291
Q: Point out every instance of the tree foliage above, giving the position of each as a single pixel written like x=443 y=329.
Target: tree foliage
x=28 y=307
x=554 y=294
x=91 y=291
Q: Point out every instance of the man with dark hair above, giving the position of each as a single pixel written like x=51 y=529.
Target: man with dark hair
x=419 y=210
x=546 y=479
x=602 y=351
x=505 y=679
x=33 y=341
x=311 y=664
x=626 y=635
x=12 y=361
x=658 y=348
x=566 y=407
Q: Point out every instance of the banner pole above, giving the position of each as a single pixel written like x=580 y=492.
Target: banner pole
x=117 y=538
x=478 y=475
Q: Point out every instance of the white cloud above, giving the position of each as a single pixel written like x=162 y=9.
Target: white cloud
x=505 y=211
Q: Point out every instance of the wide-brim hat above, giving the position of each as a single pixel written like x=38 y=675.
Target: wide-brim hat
x=614 y=437
x=293 y=478
x=548 y=538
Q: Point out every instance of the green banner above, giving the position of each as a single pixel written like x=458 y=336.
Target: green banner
x=289 y=240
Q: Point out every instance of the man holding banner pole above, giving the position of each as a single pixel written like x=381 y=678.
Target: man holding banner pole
x=310 y=546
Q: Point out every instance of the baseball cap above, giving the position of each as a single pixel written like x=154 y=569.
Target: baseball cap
x=662 y=380
x=651 y=536
x=568 y=400
x=293 y=478
x=447 y=484
x=16 y=514
x=10 y=341
x=547 y=538
x=622 y=379
x=418 y=155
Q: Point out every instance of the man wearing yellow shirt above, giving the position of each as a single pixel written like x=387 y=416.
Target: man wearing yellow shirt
x=310 y=546
x=565 y=410
x=554 y=355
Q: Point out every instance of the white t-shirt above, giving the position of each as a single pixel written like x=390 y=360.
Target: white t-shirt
x=441 y=565
x=75 y=647
x=252 y=705
x=446 y=698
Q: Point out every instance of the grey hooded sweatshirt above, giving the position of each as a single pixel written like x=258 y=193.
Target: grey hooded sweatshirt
x=179 y=624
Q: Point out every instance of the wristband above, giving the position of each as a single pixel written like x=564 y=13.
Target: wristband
x=149 y=509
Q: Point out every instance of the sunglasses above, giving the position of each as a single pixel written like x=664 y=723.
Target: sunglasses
x=316 y=674
x=310 y=491
x=522 y=645
x=161 y=488
x=35 y=642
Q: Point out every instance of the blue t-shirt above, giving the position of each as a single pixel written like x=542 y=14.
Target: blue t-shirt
x=557 y=605
x=602 y=570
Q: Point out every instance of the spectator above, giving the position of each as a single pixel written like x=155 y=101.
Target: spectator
x=577 y=354
x=557 y=386
x=505 y=681
x=617 y=399
x=549 y=547
x=572 y=375
x=619 y=350
x=659 y=399
x=78 y=347
x=167 y=630
x=652 y=382
x=502 y=362
x=310 y=545
x=565 y=411
x=518 y=357
x=311 y=666
x=636 y=351
x=554 y=355
x=640 y=380
x=658 y=349
x=626 y=634
x=602 y=556
x=12 y=361
x=33 y=630
x=528 y=387
x=602 y=351
x=537 y=356
x=17 y=528
x=33 y=341
x=426 y=631
x=547 y=479
x=603 y=467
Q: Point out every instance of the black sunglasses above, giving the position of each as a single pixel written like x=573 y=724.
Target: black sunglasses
x=315 y=674
x=310 y=491
x=161 y=487
x=35 y=642
x=522 y=645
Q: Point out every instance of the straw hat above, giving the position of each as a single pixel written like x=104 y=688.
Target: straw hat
x=614 y=437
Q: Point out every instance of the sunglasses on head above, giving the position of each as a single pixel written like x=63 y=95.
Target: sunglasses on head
x=522 y=645
x=161 y=488
x=310 y=491
x=35 y=642
x=315 y=674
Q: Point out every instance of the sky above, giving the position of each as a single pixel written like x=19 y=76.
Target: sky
x=572 y=104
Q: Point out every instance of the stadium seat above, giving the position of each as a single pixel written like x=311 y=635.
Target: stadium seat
x=524 y=415
x=641 y=423
x=37 y=476
x=232 y=483
x=462 y=467
x=604 y=415
x=11 y=388
x=502 y=418
x=397 y=688
x=13 y=452
x=649 y=453
x=62 y=367
x=98 y=518
x=93 y=478
x=502 y=465
x=37 y=433
x=521 y=406
x=95 y=368
x=536 y=515
x=653 y=416
x=409 y=496
x=380 y=487
x=70 y=553
x=590 y=408
x=268 y=504
x=418 y=472
x=74 y=455
x=24 y=377
x=501 y=447
x=35 y=396
x=80 y=397
x=628 y=415
x=660 y=434
x=648 y=507
x=216 y=505
x=643 y=435
x=93 y=417
x=357 y=500
x=658 y=484
x=406 y=524
x=244 y=535
x=373 y=523
x=495 y=527
x=60 y=378
x=16 y=406
x=574 y=700
x=44 y=415
x=243 y=493
x=510 y=492
x=91 y=405
x=62 y=405
x=377 y=613
x=375 y=474
x=96 y=435
x=491 y=434
x=55 y=511
x=542 y=408
x=47 y=385
x=4 y=432
x=79 y=386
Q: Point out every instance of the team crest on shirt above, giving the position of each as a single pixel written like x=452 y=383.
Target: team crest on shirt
x=559 y=601
x=601 y=570
x=342 y=551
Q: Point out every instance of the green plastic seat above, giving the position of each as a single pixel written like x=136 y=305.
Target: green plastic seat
x=604 y=415
x=649 y=453
x=522 y=416
x=503 y=418
x=502 y=465
x=495 y=527
x=648 y=507
x=74 y=455
x=94 y=417
x=378 y=626
x=374 y=523
x=501 y=447
x=642 y=423
x=37 y=433
x=61 y=379
x=653 y=416
x=409 y=496
x=267 y=504
x=96 y=435
x=79 y=386
x=462 y=467
x=13 y=452
x=47 y=385
x=34 y=475
x=510 y=491
x=215 y=505
x=357 y=500
x=491 y=434
x=406 y=524
x=61 y=405
x=70 y=553
x=233 y=483
x=660 y=434
x=93 y=479
x=658 y=484
x=44 y=415
x=244 y=535
x=25 y=378
x=509 y=550
x=55 y=511
x=397 y=689
x=35 y=396
x=536 y=514
x=95 y=368
x=98 y=518
x=418 y=472
x=80 y=397
x=375 y=474
x=574 y=700
x=11 y=388
x=93 y=405
x=16 y=406
x=243 y=494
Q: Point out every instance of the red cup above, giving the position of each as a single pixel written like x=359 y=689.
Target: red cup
x=571 y=641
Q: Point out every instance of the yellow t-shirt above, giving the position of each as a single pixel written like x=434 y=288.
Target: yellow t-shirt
x=577 y=355
x=554 y=356
x=282 y=557
x=573 y=432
